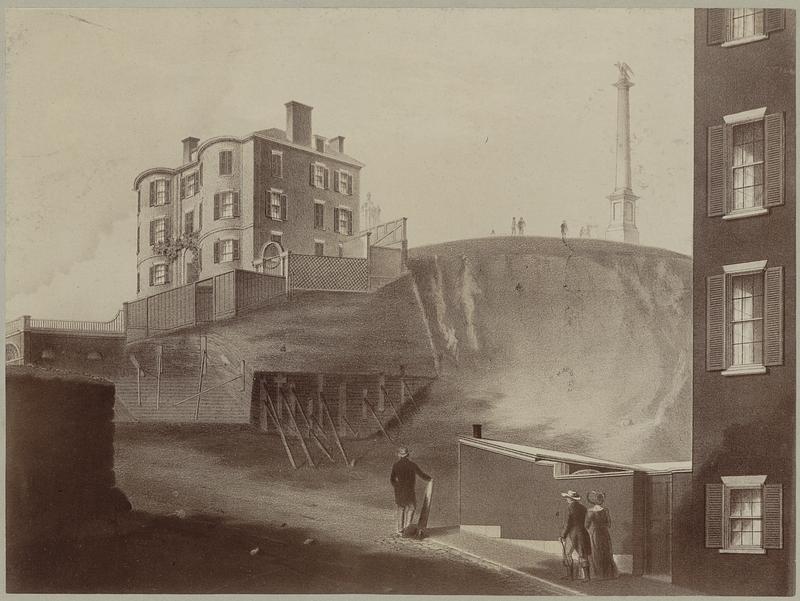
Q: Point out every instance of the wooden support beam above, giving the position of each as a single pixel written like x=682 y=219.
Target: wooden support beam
x=405 y=389
x=333 y=427
x=380 y=425
x=364 y=396
x=349 y=427
x=282 y=399
x=271 y=410
x=135 y=363
x=203 y=359
x=394 y=409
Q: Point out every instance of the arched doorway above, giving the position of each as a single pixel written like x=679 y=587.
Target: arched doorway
x=12 y=353
x=272 y=259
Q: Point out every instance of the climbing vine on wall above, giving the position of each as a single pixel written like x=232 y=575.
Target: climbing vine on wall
x=172 y=249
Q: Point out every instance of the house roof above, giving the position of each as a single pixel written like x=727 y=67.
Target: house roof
x=530 y=453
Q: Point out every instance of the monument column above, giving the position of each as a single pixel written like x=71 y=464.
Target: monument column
x=622 y=208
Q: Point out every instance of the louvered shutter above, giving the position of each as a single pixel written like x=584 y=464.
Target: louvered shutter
x=152 y=270
x=715 y=323
x=235 y=250
x=188 y=225
x=138 y=201
x=326 y=178
x=349 y=184
x=283 y=207
x=773 y=516
x=311 y=174
x=201 y=174
x=168 y=229
x=183 y=188
x=167 y=273
x=774 y=19
x=714 y=495
x=716 y=171
x=235 y=204
x=773 y=316
x=349 y=223
x=200 y=216
x=336 y=220
x=167 y=190
x=216 y=251
x=152 y=193
x=717 y=24
x=221 y=163
x=152 y=233
x=216 y=206
x=336 y=177
x=774 y=145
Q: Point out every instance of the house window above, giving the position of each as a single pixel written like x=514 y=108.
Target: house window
x=277 y=205
x=343 y=221
x=158 y=229
x=319 y=175
x=744 y=515
x=188 y=222
x=189 y=185
x=746 y=164
x=226 y=250
x=159 y=192
x=319 y=248
x=735 y=26
x=277 y=163
x=159 y=275
x=343 y=182
x=319 y=215
x=226 y=205
x=744 y=319
x=225 y=162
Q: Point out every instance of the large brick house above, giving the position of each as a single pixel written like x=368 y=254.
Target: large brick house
x=738 y=533
x=241 y=202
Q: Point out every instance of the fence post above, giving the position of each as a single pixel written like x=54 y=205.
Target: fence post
x=404 y=245
x=26 y=323
x=286 y=270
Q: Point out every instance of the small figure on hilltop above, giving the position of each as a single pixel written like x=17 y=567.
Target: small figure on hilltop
x=574 y=537
x=403 y=479
x=513 y=226
x=521 y=226
x=564 y=230
x=583 y=232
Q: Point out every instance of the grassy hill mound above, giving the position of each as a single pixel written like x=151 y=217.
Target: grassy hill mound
x=583 y=345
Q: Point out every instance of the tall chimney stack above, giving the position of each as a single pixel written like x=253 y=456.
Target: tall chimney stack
x=337 y=144
x=298 y=123
x=189 y=146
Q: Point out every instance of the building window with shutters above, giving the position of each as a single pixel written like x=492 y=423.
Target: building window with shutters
x=343 y=182
x=226 y=162
x=159 y=231
x=189 y=185
x=276 y=162
x=319 y=214
x=736 y=26
x=226 y=251
x=226 y=205
x=159 y=274
x=744 y=329
x=159 y=192
x=276 y=208
x=188 y=222
x=746 y=164
x=319 y=176
x=343 y=221
x=744 y=515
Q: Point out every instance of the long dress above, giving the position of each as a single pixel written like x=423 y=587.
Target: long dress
x=598 y=522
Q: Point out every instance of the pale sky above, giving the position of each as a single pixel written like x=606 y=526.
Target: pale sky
x=464 y=118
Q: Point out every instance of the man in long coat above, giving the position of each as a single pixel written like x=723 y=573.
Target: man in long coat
x=574 y=536
x=403 y=479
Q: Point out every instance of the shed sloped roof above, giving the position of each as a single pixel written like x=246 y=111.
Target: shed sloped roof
x=536 y=453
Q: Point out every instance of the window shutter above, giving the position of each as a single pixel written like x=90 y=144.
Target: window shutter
x=326 y=178
x=773 y=316
x=166 y=273
x=716 y=170
x=773 y=516
x=183 y=188
x=138 y=235
x=774 y=19
x=152 y=193
x=336 y=177
x=216 y=251
x=152 y=269
x=349 y=184
x=349 y=223
x=216 y=206
x=167 y=186
x=200 y=216
x=201 y=174
x=283 y=207
x=336 y=220
x=235 y=250
x=138 y=201
x=221 y=163
x=311 y=174
x=714 y=494
x=715 y=323
x=235 y=204
x=773 y=143
x=152 y=233
x=168 y=229
x=716 y=26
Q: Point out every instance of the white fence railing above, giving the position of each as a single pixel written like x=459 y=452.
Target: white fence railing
x=28 y=323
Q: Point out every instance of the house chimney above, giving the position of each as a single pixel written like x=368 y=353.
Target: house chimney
x=476 y=431
x=298 y=123
x=189 y=146
x=337 y=143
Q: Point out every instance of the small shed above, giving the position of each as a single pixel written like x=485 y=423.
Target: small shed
x=513 y=491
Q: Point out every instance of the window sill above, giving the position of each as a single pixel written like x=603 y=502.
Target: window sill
x=744 y=551
x=746 y=213
x=747 y=40
x=745 y=370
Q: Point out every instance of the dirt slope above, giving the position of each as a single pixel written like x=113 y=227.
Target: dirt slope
x=582 y=346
